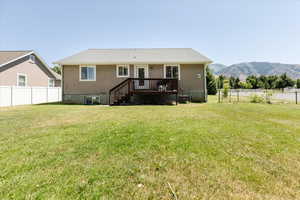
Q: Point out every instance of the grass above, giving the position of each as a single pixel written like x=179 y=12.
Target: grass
x=192 y=151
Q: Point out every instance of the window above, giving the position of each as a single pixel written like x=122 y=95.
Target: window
x=32 y=58
x=172 y=71
x=51 y=83
x=122 y=71
x=22 y=80
x=87 y=73
x=91 y=100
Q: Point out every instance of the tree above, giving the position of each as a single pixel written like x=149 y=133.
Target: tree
x=57 y=69
x=263 y=82
x=234 y=82
x=253 y=81
x=285 y=81
x=272 y=81
x=231 y=82
x=210 y=82
x=237 y=83
x=220 y=81
x=226 y=88
x=298 y=83
x=245 y=85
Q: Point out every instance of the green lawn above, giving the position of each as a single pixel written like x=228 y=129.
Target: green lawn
x=200 y=151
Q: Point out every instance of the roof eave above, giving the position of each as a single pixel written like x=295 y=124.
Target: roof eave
x=39 y=57
x=114 y=63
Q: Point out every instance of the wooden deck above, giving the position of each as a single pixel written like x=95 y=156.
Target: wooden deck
x=154 y=92
x=122 y=92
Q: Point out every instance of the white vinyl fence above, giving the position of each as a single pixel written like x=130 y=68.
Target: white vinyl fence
x=12 y=95
x=271 y=96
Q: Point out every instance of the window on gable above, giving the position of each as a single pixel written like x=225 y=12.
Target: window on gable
x=122 y=70
x=22 y=80
x=88 y=73
x=172 y=71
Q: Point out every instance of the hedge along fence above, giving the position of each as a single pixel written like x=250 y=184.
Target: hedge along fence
x=259 y=96
x=13 y=95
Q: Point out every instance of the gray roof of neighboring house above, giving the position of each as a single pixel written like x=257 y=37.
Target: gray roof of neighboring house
x=7 y=57
x=134 y=56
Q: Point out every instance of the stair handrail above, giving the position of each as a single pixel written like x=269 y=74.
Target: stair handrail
x=118 y=87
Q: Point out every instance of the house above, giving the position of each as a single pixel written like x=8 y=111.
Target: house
x=116 y=76
x=26 y=68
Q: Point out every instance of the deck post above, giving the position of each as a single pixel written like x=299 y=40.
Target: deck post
x=128 y=86
x=108 y=98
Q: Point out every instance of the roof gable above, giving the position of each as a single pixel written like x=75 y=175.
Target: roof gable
x=132 y=56
x=8 y=57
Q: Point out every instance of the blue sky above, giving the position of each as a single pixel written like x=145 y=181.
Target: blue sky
x=227 y=31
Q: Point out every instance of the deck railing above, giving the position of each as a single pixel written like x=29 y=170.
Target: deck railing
x=146 y=85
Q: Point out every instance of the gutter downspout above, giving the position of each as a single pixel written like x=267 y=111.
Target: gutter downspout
x=62 y=83
x=204 y=83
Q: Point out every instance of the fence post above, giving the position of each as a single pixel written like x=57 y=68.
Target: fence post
x=229 y=95
x=219 y=96
x=238 y=95
x=47 y=94
x=296 y=97
x=31 y=90
x=58 y=94
x=266 y=96
x=11 y=95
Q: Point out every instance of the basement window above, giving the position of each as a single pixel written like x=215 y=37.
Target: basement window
x=91 y=100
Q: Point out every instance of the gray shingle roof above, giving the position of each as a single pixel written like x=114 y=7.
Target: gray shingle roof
x=7 y=56
x=133 y=56
x=10 y=56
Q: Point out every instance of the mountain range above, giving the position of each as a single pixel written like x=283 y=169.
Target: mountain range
x=242 y=70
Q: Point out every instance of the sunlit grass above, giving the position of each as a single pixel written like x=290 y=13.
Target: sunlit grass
x=209 y=151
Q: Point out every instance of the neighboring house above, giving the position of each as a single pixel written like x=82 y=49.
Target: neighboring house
x=26 y=68
x=116 y=76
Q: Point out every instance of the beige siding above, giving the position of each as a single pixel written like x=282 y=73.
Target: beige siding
x=156 y=71
x=188 y=78
x=106 y=78
x=35 y=75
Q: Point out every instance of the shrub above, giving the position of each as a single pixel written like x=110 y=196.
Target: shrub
x=256 y=99
x=226 y=88
x=298 y=83
x=210 y=83
x=269 y=94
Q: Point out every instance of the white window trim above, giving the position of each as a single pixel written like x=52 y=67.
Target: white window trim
x=179 y=70
x=51 y=79
x=20 y=74
x=117 y=70
x=92 y=66
x=136 y=66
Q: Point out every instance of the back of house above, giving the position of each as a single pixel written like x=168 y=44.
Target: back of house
x=26 y=68
x=112 y=76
